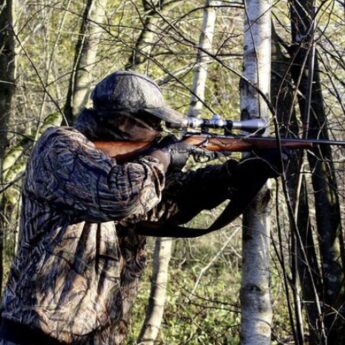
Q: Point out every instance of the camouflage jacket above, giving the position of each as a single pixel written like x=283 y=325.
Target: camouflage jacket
x=79 y=260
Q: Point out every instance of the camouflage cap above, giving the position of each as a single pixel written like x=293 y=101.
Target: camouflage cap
x=133 y=92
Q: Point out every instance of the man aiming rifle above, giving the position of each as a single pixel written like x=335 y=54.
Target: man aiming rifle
x=80 y=255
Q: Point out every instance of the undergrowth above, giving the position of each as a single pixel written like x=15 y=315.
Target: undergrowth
x=208 y=313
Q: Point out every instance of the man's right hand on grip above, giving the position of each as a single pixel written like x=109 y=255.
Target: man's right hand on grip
x=177 y=151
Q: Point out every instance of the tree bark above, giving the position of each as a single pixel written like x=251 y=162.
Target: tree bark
x=85 y=58
x=159 y=282
x=283 y=100
x=144 y=44
x=7 y=90
x=256 y=317
x=200 y=69
x=163 y=247
x=7 y=70
x=307 y=79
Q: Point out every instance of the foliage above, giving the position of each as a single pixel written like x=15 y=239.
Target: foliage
x=46 y=34
x=210 y=314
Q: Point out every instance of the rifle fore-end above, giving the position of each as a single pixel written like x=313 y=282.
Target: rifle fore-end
x=127 y=150
x=244 y=144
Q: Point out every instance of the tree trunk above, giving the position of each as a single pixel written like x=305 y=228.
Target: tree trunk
x=159 y=282
x=7 y=71
x=7 y=89
x=85 y=58
x=307 y=80
x=283 y=100
x=144 y=44
x=163 y=247
x=200 y=69
x=255 y=286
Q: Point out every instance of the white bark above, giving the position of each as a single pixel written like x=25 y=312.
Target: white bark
x=255 y=288
x=145 y=43
x=256 y=310
x=163 y=247
x=85 y=58
x=200 y=69
x=257 y=57
x=159 y=282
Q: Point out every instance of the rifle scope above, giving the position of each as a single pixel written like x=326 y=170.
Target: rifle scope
x=216 y=122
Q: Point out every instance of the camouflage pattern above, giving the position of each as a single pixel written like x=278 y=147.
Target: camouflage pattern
x=79 y=261
x=73 y=275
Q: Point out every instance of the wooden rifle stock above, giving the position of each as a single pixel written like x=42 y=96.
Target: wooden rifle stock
x=123 y=150
x=127 y=150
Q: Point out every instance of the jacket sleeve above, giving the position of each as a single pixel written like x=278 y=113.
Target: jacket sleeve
x=69 y=173
x=188 y=193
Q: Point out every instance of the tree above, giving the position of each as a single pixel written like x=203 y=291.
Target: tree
x=200 y=68
x=255 y=287
x=306 y=76
x=163 y=247
x=304 y=273
x=161 y=38
x=7 y=90
x=157 y=299
x=145 y=42
x=85 y=57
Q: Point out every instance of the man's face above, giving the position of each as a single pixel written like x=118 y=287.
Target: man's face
x=138 y=127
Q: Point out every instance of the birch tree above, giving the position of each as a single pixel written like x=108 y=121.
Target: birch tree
x=200 y=69
x=85 y=57
x=255 y=287
x=163 y=246
x=159 y=282
x=144 y=45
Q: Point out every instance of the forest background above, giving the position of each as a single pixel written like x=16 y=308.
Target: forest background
x=53 y=53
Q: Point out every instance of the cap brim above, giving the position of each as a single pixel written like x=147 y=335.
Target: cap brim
x=167 y=114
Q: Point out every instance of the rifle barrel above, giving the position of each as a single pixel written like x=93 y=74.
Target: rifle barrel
x=301 y=141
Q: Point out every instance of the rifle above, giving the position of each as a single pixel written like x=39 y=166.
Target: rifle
x=203 y=138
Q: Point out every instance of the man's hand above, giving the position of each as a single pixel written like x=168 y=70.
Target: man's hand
x=173 y=151
x=177 y=152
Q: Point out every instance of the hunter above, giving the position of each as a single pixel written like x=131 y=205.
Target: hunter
x=76 y=273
